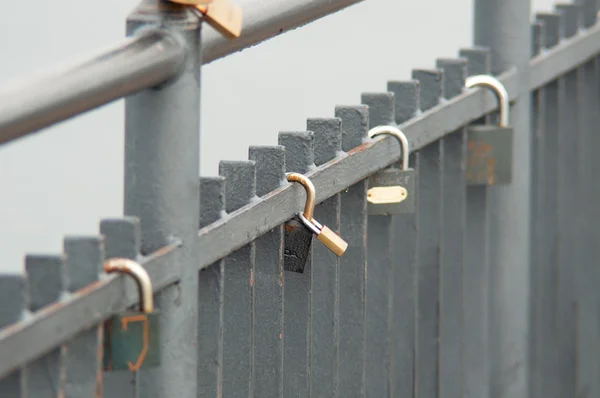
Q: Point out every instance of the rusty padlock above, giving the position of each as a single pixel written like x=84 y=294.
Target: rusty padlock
x=490 y=147
x=131 y=339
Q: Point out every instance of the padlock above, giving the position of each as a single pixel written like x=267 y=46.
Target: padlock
x=224 y=16
x=298 y=240
x=131 y=339
x=489 y=147
x=392 y=190
x=300 y=229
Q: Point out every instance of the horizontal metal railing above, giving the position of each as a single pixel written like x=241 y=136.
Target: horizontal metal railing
x=142 y=61
x=224 y=236
x=145 y=60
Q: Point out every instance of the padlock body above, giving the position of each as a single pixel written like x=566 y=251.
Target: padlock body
x=332 y=241
x=297 y=243
x=131 y=341
x=489 y=155
x=392 y=191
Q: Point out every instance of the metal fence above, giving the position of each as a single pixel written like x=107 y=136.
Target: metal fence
x=485 y=290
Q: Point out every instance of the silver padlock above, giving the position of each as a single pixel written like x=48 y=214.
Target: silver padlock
x=490 y=147
x=392 y=190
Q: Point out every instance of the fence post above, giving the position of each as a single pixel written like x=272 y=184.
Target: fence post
x=162 y=143
x=504 y=27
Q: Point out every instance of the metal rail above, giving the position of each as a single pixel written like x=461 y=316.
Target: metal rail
x=152 y=57
x=142 y=61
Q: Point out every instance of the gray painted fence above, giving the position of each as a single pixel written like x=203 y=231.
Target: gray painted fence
x=485 y=291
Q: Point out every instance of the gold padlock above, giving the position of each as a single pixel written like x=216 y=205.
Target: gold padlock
x=224 y=16
x=325 y=235
x=331 y=240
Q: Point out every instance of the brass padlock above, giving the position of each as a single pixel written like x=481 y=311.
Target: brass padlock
x=224 y=16
x=131 y=339
x=392 y=191
x=489 y=147
x=298 y=235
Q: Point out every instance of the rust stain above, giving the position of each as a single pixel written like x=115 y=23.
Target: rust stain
x=163 y=251
x=219 y=387
x=281 y=279
x=107 y=329
x=280 y=335
x=99 y=356
x=289 y=228
x=145 y=338
x=84 y=291
x=491 y=175
x=251 y=277
x=62 y=372
x=478 y=162
x=360 y=148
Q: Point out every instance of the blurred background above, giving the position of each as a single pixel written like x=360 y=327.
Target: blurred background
x=63 y=181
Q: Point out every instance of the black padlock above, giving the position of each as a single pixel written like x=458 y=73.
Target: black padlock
x=300 y=230
x=489 y=147
x=298 y=240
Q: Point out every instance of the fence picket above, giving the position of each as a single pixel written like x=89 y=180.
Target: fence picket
x=475 y=271
x=566 y=201
x=537 y=217
x=353 y=227
x=45 y=280
x=299 y=158
x=14 y=299
x=548 y=275
x=452 y=245
x=428 y=244
x=210 y=297
x=83 y=357
x=238 y=270
x=587 y=273
x=403 y=308
x=379 y=271
x=268 y=282
x=324 y=299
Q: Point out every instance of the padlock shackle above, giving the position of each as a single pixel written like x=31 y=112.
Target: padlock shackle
x=309 y=206
x=393 y=131
x=498 y=88
x=142 y=279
